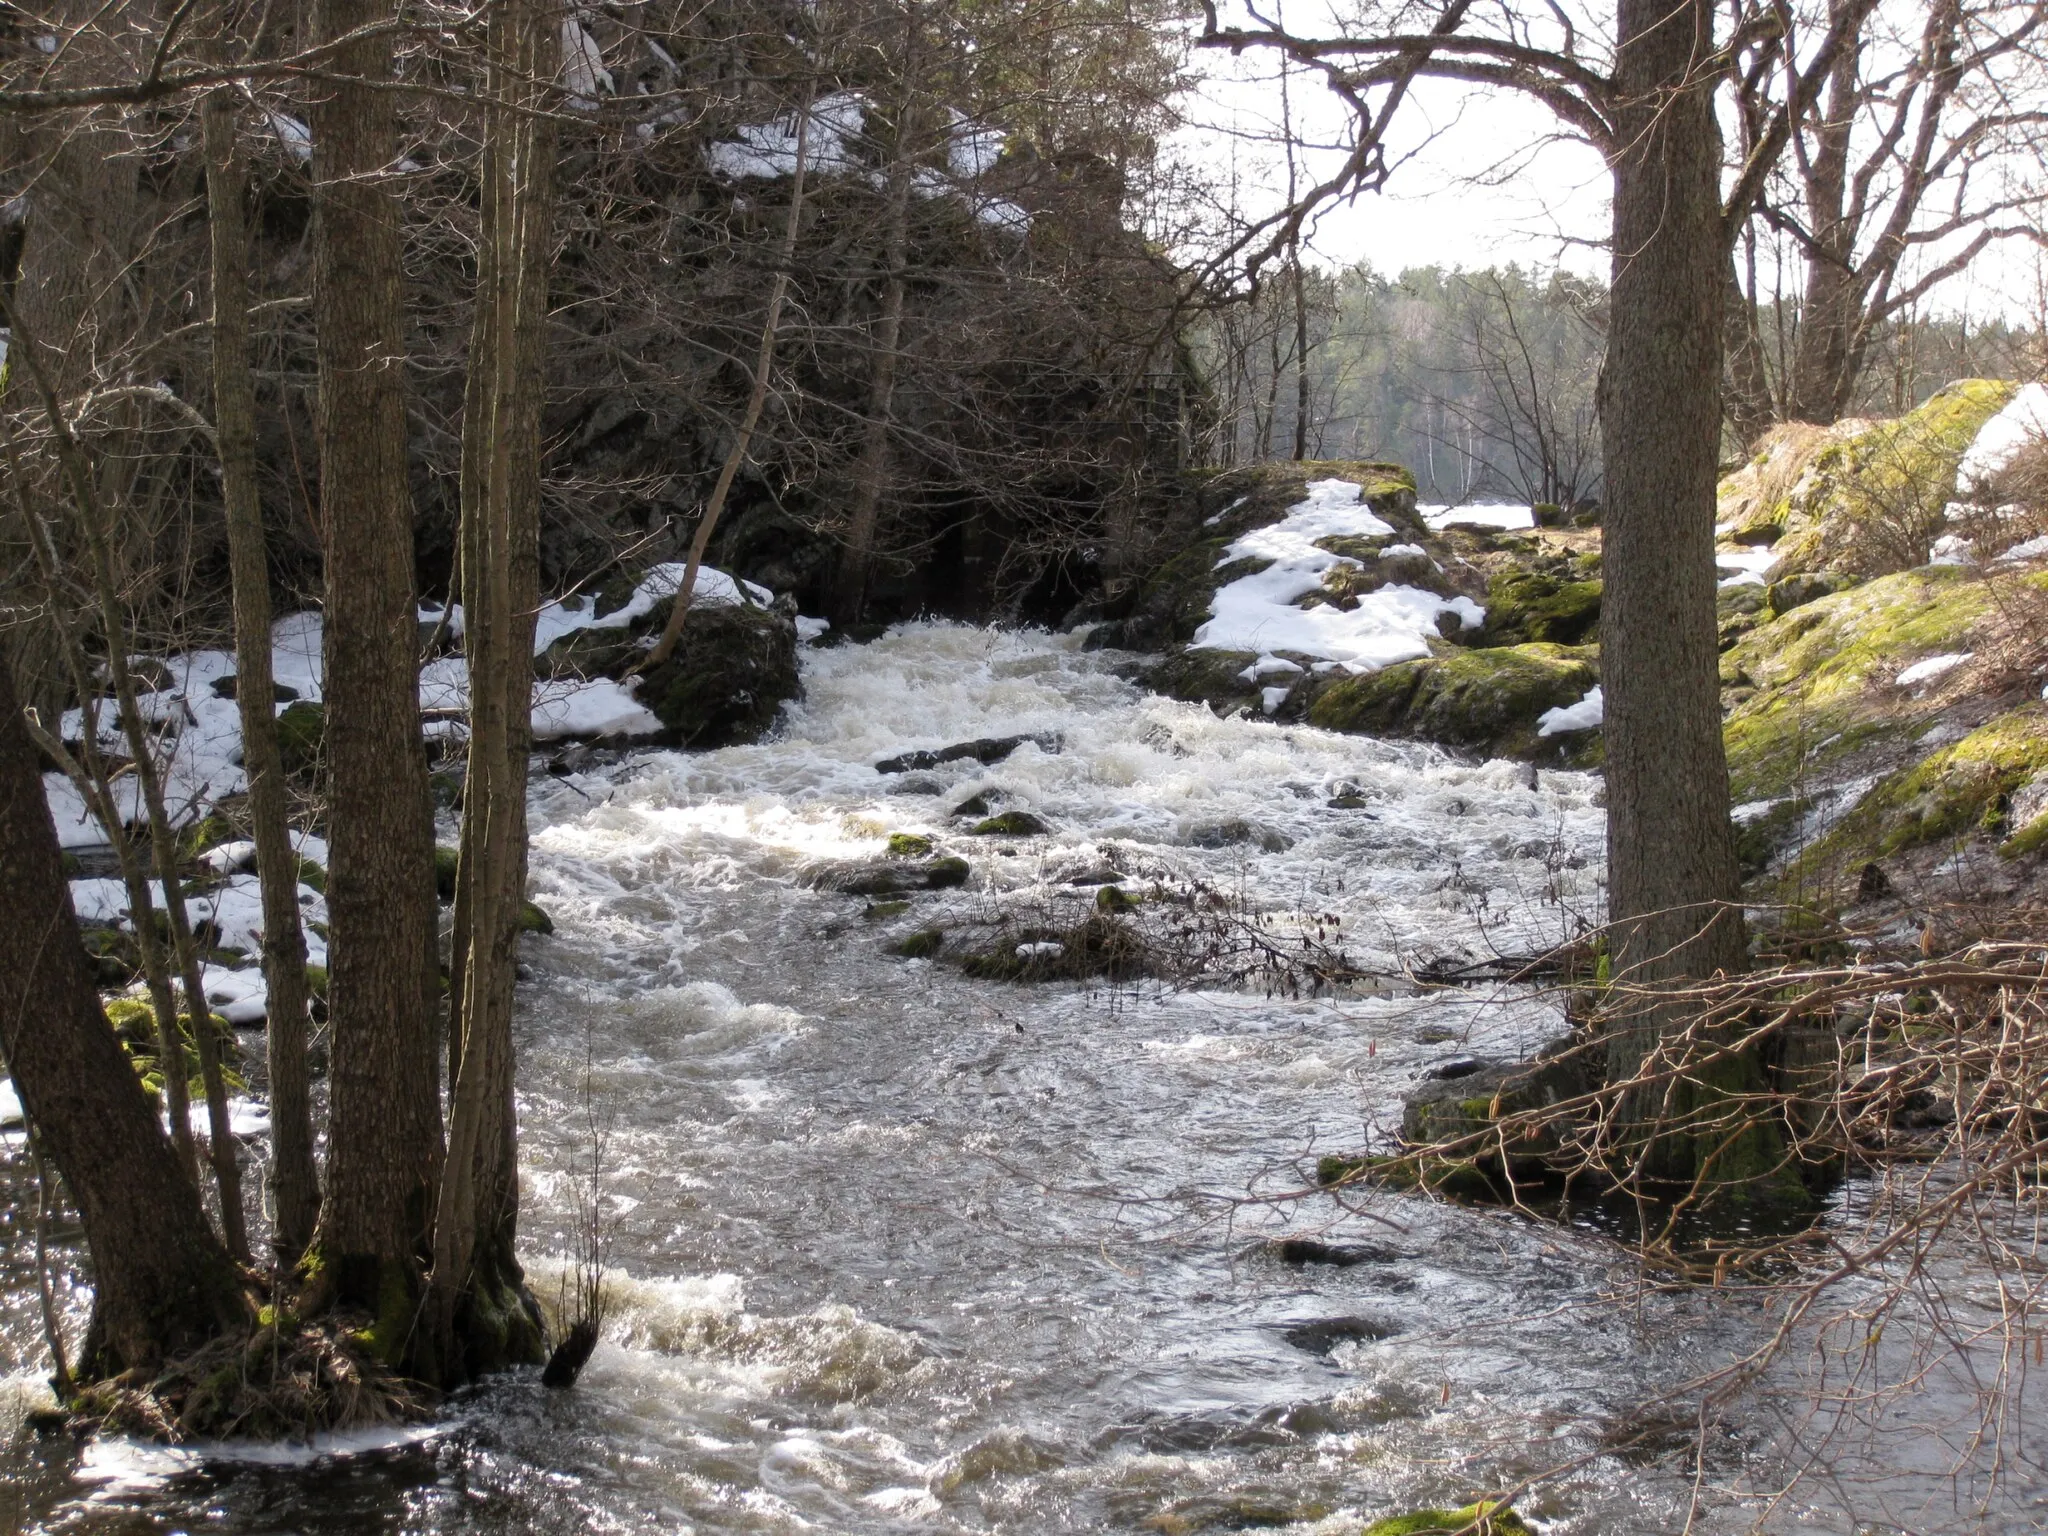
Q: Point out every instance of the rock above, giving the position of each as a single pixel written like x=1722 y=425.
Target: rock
x=301 y=736
x=1524 y=605
x=446 y=861
x=1797 y=591
x=724 y=684
x=893 y=877
x=1486 y=701
x=534 y=919
x=1233 y=831
x=1453 y=1067
x=1113 y=898
x=973 y=805
x=918 y=784
x=1215 y=678
x=1310 y=1250
x=1010 y=824
x=1322 y=1336
x=1862 y=497
x=1472 y=1100
x=921 y=945
x=988 y=749
x=1481 y=1519
x=878 y=911
x=224 y=687
x=1099 y=945
x=909 y=845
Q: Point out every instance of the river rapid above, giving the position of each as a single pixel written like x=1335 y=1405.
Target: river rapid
x=894 y=1250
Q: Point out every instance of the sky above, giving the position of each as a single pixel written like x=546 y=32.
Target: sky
x=1480 y=178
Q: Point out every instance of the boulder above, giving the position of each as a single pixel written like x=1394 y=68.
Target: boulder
x=1010 y=824
x=1481 y=1519
x=887 y=877
x=1524 y=605
x=1486 y=701
x=985 y=750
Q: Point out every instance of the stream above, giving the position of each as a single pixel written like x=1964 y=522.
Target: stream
x=894 y=1250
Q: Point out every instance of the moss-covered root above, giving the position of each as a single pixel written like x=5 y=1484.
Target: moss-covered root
x=1485 y=1518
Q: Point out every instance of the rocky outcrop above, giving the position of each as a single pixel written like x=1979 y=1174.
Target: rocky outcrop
x=1490 y=701
x=731 y=672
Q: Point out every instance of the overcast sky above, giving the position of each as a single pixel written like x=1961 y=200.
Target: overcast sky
x=1480 y=178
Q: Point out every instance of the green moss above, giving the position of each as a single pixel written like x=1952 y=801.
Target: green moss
x=533 y=918
x=1485 y=1518
x=1207 y=676
x=921 y=945
x=1870 y=501
x=210 y=831
x=2027 y=841
x=1486 y=700
x=1010 y=824
x=942 y=874
x=447 y=862
x=1114 y=898
x=909 y=845
x=1524 y=605
x=877 y=911
x=301 y=735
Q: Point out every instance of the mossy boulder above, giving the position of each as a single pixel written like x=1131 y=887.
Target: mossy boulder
x=1485 y=1518
x=1215 y=678
x=1486 y=701
x=1524 y=605
x=1494 y=1113
x=921 y=945
x=732 y=670
x=302 y=736
x=1861 y=497
x=909 y=845
x=1010 y=824
x=1821 y=676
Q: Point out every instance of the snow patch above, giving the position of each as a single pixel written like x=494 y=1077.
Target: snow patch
x=1999 y=440
x=1582 y=716
x=1486 y=515
x=1257 y=612
x=1933 y=667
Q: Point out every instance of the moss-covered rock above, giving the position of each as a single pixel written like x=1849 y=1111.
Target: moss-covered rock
x=1486 y=701
x=1524 y=605
x=533 y=918
x=1216 y=678
x=1862 y=497
x=302 y=736
x=1822 y=676
x=1010 y=824
x=1485 y=1518
x=921 y=945
x=909 y=845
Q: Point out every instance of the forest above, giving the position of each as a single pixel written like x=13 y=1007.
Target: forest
x=780 y=765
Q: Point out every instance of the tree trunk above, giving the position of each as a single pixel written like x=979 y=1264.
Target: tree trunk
x=871 y=471
x=482 y=1315
x=294 y=1188
x=162 y=1283
x=384 y=1134
x=1750 y=410
x=1673 y=887
x=1831 y=300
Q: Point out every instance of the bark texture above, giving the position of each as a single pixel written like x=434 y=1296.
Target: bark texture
x=384 y=1122
x=294 y=1189
x=483 y=1316
x=162 y=1281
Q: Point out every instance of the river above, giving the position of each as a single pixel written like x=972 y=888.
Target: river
x=895 y=1250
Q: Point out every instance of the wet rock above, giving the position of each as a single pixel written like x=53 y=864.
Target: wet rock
x=1010 y=824
x=921 y=945
x=1525 y=605
x=1455 y=1067
x=533 y=918
x=878 y=911
x=1437 y=1034
x=1797 y=591
x=1232 y=832
x=1481 y=1519
x=987 y=749
x=1324 y=1335
x=301 y=736
x=1097 y=946
x=1114 y=898
x=1311 y=1250
x=1100 y=874
x=888 y=877
x=974 y=805
x=909 y=845
x=1216 y=678
x=918 y=784
x=1487 y=701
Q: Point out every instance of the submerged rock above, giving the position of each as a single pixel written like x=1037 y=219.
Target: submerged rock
x=986 y=750
x=1010 y=824
x=1481 y=1519
x=888 y=877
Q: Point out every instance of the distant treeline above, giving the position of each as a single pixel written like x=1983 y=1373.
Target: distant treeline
x=1483 y=382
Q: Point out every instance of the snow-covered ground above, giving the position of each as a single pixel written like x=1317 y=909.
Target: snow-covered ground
x=1257 y=612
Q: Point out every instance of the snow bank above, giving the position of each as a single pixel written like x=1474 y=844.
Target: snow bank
x=1257 y=612
x=1484 y=515
x=1582 y=716
x=768 y=150
x=2000 y=439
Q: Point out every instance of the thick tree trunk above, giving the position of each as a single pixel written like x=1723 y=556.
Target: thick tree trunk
x=162 y=1281
x=1750 y=410
x=294 y=1189
x=384 y=1136
x=483 y=1317
x=1824 y=364
x=1673 y=887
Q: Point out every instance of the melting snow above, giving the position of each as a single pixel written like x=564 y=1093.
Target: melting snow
x=1485 y=515
x=1933 y=667
x=2000 y=439
x=1582 y=716
x=1257 y=612
x=768 y=150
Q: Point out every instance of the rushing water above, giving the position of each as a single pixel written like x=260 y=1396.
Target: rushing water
x=900 y=1251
